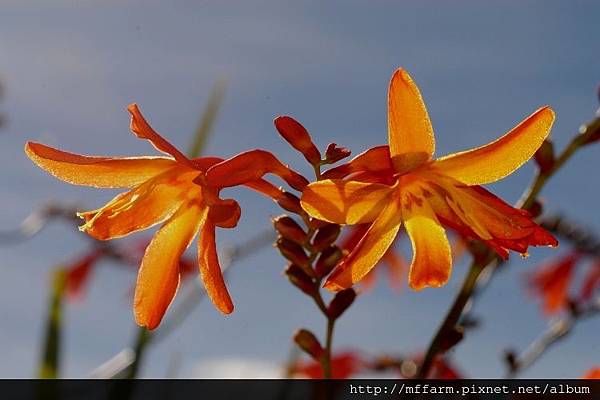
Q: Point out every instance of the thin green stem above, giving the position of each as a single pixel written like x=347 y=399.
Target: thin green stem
x=328 y=346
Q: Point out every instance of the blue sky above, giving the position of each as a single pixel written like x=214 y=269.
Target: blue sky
x=71 y=67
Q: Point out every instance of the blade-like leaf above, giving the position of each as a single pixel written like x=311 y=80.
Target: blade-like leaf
x=207 y=120
x=50 y=362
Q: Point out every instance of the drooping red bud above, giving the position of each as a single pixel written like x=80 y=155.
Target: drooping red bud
x=308 y=342
x=290 y=202
x=250 y=166
x=334 y=153
x=289 y=229
x=544 y=156
x=300 y=279
x=328 y=259
x=296 y=135
x=293 y=252
x=536 y=209
x=325 y=236
x=340 y=303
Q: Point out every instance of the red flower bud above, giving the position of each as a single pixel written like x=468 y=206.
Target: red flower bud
x=300 y=279
x=327 y=261
x=452 y=338
x=290 y=203
x=296 y=135
x=591 y=130
x=289 y=229
x=341 y=302
x=544 y=156
x=307 y=341
x=334 y=153
x=293 y=252
x=325 y=237
x=536 y=209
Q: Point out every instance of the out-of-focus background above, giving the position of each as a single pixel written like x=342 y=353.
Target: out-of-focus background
x=69 y=69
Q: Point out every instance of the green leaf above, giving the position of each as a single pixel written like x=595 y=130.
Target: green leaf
x=50 y=362
x=207 y=120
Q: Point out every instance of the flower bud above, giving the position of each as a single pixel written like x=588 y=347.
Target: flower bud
x=340 y=303
x=544 y=156
x=289 y=229
x=315 y=223
x=300 y=279
x=307 y=341
x=452 y=338
x=511 y=360
x=536 y=209
x=296 y=135
x=293 y=252
x=290 y=203
x=325 y=237
x=591 y=131
x=334 y=153
x=327 y=261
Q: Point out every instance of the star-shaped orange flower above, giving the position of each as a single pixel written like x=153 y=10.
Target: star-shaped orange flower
x=401 y=184
x=163 y=189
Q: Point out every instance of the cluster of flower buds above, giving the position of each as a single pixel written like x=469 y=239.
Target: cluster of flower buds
x=299 y=138
x=310 y=250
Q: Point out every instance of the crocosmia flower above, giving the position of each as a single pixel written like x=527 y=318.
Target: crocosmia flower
x=402 y=184
x=344 y=365
x=551 y=282
x=593 y=373
x=167 y=189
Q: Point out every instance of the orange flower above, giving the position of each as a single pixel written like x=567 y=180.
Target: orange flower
x=593 y=373
x=163 y=189
x=78 y=273
x=591 y=282
x=394 y=263
x=551 y=282
x=344 y=365
x=401 y=183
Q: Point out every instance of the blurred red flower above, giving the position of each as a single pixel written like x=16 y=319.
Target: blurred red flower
x=344 y=365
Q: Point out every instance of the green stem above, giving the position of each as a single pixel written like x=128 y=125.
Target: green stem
x=50 y=363
x=141 y=341
x=328 y=347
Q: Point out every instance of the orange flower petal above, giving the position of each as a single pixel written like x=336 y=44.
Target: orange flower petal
x=345 y=202
x=552 y=281
x=501 y=157
x=210 y=271
x=143 y=130
x=101 y=172
x=477 y=213
x=432 y=262
x=369 y=250
x=158 y=277
x=593 y=373
x=225 y=214
x=376 y=159
x=204 y=163
x=147 y=205
x=252 y=165
x=266 y=188
x=410 y=133
x=396 y=267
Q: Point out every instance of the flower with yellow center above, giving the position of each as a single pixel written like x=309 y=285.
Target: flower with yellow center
x=401 y=184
